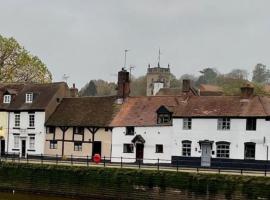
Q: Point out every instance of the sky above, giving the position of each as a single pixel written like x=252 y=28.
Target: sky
x=86 y=39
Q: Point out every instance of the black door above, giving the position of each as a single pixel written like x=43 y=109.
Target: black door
x=97 y=148
x=2 y=147
x=23 y=148
x=139 y=151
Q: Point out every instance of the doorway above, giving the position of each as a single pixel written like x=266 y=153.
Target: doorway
x=206 y=154
x=97 y=148
x=2 y=147
x=139 y=151
x=23 y=149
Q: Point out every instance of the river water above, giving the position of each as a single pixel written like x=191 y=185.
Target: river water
x=154 y=193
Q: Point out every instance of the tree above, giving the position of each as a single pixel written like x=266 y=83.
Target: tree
x=261 y=74
x=18 y=65
x=89 y=89
x=209 y=76
x=238 y=74
x=98 y=88
x=138 y=86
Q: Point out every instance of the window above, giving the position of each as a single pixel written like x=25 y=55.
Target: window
x=186 y=148
x=250 y=150
x=223 y=149
x=31 y=120
x=159 y=148
x=224 y=124
x=77 y=146
x=53 y=144
x=17 y=120
x=7 y=98
x=251 y=124
x=78 y=130
x=29 y=98
x=128 y=148
x=187 y=122
x=164 y=119
x=32 y=142
x=16 y=141
x=51 y=129
x=130 y=130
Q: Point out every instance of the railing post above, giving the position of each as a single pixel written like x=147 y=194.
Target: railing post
x=27 y=159
x=56 y=159
x=197 y=169
x=41 y=158
x=241 y=171
x=121 y=162
x=139 y=163
x=13 y=157
x=177 y=165
x=158 y=165
x=71 y=160
x=104 y=163
x=265 y=170
x=19 y=158
x=87 y=161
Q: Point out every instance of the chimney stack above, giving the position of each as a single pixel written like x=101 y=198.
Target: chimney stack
x=123 y=88
x=186 y=85
x=73 y=91
x=247 y=91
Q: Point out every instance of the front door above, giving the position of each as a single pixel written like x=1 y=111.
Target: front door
x=139 y=151
x=97 y=148
x=23 y=150
x=2 y=147
x=206 y=155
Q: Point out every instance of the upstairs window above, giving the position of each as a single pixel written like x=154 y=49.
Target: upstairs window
x=224 y=124
x=251 y=124
x=164 y=119
x=130 y=130
x=29 y=98
x=7 y=98
x=223 y=149
x=31 y=120
x=186 y=148
x=78 y=130
x=51 y=129
x=187 y=122
x=17 y=120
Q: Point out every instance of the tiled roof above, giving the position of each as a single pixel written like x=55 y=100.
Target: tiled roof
x=141 y=111
x=84 y=111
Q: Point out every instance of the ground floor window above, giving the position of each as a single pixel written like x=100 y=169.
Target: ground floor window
x=159 y=148
x=250 y=150
x=186 y=148
x=77 y=146
x=128 y=148
x=32 y=142
x=16 y=141
x=53 y=144
x=223 y=149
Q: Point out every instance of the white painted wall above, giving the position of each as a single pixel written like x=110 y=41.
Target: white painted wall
x=152 y=135
x=39 y=131
x=202 y=129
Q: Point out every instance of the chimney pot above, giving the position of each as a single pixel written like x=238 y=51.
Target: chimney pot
x=247 y=91
x=186 y=85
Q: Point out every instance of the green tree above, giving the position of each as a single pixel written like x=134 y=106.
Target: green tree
x=89 y=89
x=209 y=76
x=138 y=86
x=238 y=74
x=18 y=65
x=261 y=74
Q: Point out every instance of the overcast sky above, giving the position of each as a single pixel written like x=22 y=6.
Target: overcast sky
x=86 y=39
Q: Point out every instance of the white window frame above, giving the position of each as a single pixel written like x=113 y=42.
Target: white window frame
x=16 y=141
x=17 y=120
x=32 y=141
x=28 y=97
x=7 y=98
x=223 y=150
x=186 y=148
x=32 y=121
x=187 y=123
x=224 y=124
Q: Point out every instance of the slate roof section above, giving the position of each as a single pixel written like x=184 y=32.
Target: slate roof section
x=42 y=93
x=84 y=111
x=141 y=111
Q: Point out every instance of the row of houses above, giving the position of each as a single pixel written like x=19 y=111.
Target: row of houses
x=51 y=119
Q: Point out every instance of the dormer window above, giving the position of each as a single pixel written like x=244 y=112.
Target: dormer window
x=29 y=98
x=7 y=98
x=164 y=116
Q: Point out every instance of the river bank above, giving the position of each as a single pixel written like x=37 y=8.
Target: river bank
x=125 y=183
